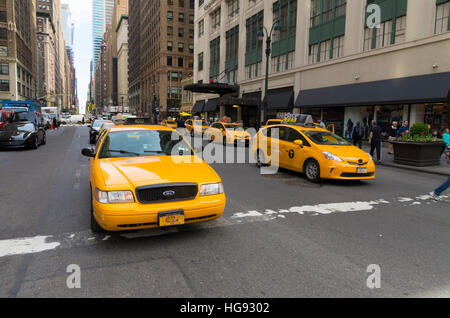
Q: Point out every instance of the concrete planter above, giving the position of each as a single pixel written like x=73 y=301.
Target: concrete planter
x=419 y=154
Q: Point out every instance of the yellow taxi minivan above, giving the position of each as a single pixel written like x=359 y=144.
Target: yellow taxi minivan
x=169 y=123
x=228 y=133
x=148 y=176
x=196 y=126
x=304 y=147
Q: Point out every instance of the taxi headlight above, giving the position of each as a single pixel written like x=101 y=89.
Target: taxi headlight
x=114 y=196
x=211 y=189
x=331 y=156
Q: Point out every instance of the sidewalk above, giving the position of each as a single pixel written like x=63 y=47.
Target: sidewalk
x=388 y=160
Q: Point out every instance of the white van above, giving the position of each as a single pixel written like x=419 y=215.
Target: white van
x=76 y=119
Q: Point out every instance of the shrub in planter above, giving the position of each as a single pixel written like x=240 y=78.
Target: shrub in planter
x=418 y=148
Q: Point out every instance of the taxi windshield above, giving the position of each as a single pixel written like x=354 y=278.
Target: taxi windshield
x=145 y=143
x=200 y=123
x=233 y=126
x=325 y=138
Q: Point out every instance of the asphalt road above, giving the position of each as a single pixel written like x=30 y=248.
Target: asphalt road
x=280 y=236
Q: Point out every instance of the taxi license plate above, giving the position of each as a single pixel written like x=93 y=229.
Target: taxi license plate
x=361 y=170
x=171 y=218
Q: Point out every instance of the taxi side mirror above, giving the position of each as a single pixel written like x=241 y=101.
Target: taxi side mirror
x=299 y=143
x=88 y=152
x=89 y=126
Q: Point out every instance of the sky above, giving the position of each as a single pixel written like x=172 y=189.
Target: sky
x=81 y=11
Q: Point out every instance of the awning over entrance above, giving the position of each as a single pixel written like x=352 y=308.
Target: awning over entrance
x=198 y=107
x=213 y=88
x=280 y=99
x=211 y=105
x=431 y=88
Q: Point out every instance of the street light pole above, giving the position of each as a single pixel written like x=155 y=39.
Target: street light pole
x=275 y=27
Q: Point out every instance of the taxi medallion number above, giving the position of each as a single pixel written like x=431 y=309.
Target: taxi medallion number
x=171 y=218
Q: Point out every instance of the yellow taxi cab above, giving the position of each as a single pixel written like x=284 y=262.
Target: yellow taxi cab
x=228 y=133
x=196 y=127
x=148 y=176
x=304 y=147
x=271 y=122
x=169 y=123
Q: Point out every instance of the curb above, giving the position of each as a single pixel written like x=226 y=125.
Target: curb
x=412 y=168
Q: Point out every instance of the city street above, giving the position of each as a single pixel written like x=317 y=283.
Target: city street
x=280 y=235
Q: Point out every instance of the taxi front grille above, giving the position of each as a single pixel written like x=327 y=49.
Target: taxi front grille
x=167 y=192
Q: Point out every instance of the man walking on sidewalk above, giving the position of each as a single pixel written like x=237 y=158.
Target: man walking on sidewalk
x=375 y=140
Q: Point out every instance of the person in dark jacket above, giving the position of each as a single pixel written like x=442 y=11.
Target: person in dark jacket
x=358 y=135
x=375 y=140
x=392 y=134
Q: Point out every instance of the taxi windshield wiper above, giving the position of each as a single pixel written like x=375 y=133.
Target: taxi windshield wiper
x=156 y=151
x=125 y=152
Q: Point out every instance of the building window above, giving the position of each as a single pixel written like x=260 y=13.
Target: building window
x=338 y=47
x=180 y=47
x=169 y=46
x=200 y=62
x=4 y=85
x=215 y=19
x=4 y=69
x=233 y=8
x=283 y=62
x=313 y=53
x=442 y=17
x=214 y=46
x=169 y=16
x=169 y=31
x=201 y=28
x=181 y=17
x=3 y=34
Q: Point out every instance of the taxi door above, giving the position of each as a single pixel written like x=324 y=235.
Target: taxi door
x=275 y=145
x=294 y=156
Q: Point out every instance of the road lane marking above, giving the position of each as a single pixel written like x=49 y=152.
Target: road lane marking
x=26 y=245
x=39 y=244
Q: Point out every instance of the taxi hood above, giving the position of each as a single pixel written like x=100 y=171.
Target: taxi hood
x=347 y=153
x=142 y=171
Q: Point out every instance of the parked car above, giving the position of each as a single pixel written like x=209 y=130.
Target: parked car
x=46 y=121
x=18 y=134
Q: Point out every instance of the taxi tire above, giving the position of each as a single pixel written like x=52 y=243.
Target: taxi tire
x=95 y=228
x=312 y=170
x=44 y=139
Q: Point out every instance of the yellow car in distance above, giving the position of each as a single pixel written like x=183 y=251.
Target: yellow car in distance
x=228 y=133
x=148 y=176
x=311 y=150
x=169 y=123
x=196 y=127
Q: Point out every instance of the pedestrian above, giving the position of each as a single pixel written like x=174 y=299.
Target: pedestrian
x=446 y=137
x=54 y=122
x=435 y=133
x=82 y=120
x=392 y=134
x=350 y=124
x=375 y=140
x=404 y=129
x=322 y=124
x=348 y=133
x=358 y=135
x=436 y=194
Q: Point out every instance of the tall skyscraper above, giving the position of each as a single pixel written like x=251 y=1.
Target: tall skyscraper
x=66 y=24
x=102 y=11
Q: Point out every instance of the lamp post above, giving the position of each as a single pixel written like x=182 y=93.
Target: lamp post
x=275 y=27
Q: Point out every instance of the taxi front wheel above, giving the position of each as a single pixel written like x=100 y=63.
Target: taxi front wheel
x=312 y=170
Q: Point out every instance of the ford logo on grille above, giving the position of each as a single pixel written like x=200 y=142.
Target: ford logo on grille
x=169 y=193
